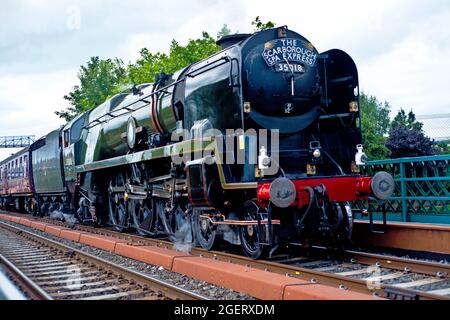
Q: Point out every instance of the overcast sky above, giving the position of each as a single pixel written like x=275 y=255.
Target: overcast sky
x=402 y=48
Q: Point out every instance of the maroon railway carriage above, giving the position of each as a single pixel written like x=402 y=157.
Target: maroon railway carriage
x=15 y=184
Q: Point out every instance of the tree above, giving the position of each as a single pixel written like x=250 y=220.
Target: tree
x=260 y=26
x=225 y=31
x=375 y=126
x=407 y=139
x=406 y=121
x=443 y=147
x=99 y=80
x=404 y=142
x=149 y=65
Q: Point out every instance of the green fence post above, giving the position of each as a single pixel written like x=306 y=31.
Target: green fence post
x=403 y=193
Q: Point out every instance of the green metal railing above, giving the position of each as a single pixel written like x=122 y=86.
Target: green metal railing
x=422 y=190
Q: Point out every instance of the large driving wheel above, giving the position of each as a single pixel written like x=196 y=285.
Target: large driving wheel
x=117 y=204
x=143 y=215
x=250 y=234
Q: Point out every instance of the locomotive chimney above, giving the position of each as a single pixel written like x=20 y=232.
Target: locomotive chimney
x=228 y=41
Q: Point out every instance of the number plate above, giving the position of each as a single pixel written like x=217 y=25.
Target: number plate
x=284 y=67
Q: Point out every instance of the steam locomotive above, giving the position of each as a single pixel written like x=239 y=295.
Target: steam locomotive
x=254 y=146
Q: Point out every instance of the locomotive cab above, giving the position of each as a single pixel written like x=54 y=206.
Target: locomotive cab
x=212 y=91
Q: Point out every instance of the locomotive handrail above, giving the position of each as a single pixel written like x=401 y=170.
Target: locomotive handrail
x=190 y=74
x=422 y=189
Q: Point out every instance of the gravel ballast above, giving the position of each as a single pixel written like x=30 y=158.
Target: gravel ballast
x=200 y=287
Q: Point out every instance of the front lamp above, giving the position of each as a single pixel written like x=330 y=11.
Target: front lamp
x=317 y=153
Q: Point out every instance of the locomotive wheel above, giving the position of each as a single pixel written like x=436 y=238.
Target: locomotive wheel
x=117 y=205
x=117 y=212
x=250 y=234
x=174 y=223
x=345 y=228
x=166 y=218
x=143 y=213
x=204 y=232
x=342 y=225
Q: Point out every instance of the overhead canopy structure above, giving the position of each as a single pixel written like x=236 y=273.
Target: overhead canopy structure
x=16 y=141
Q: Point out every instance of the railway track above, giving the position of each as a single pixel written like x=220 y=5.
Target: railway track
x=385 y=276
x=47 y=270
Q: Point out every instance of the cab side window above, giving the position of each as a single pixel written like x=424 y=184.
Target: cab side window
x=76 y=129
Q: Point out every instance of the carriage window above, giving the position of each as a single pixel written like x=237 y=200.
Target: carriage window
x=25 y=165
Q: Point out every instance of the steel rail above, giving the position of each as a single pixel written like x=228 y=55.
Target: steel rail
x=170 y=291
x=26 y=284
x=398 y=263
x=308 y=274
